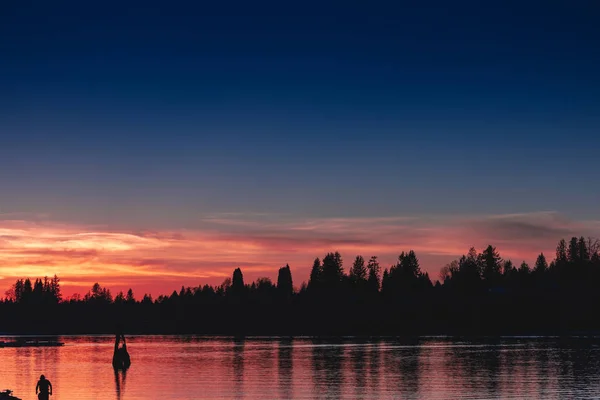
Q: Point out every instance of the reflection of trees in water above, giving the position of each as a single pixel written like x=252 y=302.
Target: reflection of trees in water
x=404 y=364
x=516 y=371
x=564 y=368
x=358 y=366
x=523 y=369
x=490 y=363
x=327 y=369
x=578 y=364
x=317 y=367
x=374 y=366
x=410 y=366
x=238 y=366
x=483 y=368
x=285 y=365
x=545 y=373
x=474 y=367
x=530 y=367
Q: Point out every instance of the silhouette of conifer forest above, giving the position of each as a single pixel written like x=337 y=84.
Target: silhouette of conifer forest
x=477 y=294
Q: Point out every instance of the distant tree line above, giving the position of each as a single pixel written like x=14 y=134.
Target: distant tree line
x=479 y=293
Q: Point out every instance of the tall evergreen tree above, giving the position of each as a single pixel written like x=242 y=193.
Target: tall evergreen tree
x=385 y=282
x=573 y=252
x=27 y=291
x=99 y=295
x=524 y=273
x=333 y=272
x=38 y=291
x=130 y=299
x=409 y=265
x=237 y=282
x=358 y=272
x=582 y=250
x=120 y=298
x=424 y=281
x=55 y=289
x=491 y=263
x=19 y=289
x=507 y=267
x=469 y=270
x=284 y=282
x=405 y=276
x=147 y=299
x=541 y=265
x=561 y=252
x=509 y=274
x=316 y=275
x=373 y=281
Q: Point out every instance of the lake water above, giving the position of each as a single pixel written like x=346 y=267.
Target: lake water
x=187 y=367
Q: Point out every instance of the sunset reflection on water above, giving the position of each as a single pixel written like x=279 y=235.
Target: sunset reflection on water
x=185 y=367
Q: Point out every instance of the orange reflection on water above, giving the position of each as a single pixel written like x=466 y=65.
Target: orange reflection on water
x=185 y=367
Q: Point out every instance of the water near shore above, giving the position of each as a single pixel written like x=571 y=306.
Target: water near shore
x=184 y=367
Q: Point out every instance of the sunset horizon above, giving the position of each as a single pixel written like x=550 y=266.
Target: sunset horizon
x=158 y=262
x=299 y=200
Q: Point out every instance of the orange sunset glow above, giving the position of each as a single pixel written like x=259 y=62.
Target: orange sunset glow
x=159 y=262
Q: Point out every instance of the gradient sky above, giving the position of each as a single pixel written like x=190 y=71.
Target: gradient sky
x=155 y=144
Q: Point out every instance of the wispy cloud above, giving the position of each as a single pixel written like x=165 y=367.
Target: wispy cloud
x=160 y=261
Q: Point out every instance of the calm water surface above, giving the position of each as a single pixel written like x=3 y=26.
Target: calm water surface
x=184 y=367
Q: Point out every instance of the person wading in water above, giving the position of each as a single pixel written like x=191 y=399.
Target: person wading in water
x=121 y=358
x=44 y=387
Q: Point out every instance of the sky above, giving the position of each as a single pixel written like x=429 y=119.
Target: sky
x=158 y=144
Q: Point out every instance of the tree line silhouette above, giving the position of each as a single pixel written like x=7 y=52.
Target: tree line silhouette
x=479 y=293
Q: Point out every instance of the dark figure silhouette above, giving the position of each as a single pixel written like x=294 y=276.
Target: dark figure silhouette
x=7 y=395
x=44 y=387
x=121 y=358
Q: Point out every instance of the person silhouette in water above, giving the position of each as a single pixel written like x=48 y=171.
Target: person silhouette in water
x=121 y=358
x=44 y=387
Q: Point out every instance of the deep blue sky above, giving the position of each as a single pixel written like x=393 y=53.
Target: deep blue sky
x=156 y=113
